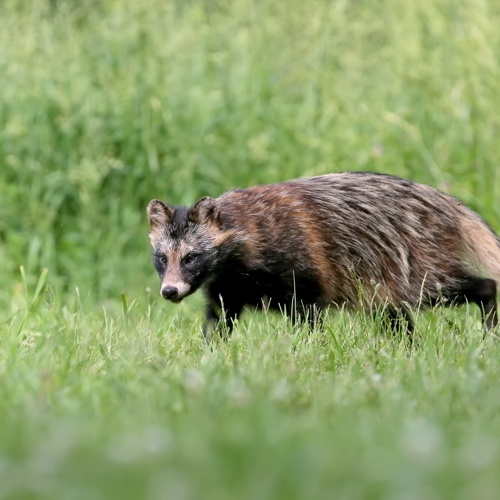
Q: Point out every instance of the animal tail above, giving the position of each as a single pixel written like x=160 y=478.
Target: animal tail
x=482 y=245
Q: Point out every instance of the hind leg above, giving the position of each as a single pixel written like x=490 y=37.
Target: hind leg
x=483 y=292
x=400 y=319
x=480 y=291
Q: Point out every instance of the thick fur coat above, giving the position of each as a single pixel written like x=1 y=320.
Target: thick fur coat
x=349 y=239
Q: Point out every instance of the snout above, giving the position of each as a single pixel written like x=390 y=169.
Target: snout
x=170 y=292
x=175 y=292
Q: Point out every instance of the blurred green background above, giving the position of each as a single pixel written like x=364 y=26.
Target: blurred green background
x=105 y=105
x=108 y=392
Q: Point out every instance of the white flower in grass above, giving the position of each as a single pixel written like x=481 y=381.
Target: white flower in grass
x=194 y=381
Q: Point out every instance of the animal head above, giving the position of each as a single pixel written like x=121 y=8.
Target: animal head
x=186 y=245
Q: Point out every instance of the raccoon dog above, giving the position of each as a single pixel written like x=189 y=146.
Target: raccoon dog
x=351 y=239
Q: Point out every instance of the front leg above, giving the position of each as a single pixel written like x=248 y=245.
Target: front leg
x=312 y=314
x=210 y=323
x=220 y=318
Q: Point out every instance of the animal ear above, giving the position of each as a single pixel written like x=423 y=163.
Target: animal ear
x=159 y=214
x=205 y=211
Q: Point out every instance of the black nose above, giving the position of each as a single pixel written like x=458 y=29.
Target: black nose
x=169 y=292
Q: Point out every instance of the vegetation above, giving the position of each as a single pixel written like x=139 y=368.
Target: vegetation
x=108 y=392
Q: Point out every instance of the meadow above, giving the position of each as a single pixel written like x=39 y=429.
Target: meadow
x=107 y=391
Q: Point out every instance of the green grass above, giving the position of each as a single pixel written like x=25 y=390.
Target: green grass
x=108 y=392
x=131 y=404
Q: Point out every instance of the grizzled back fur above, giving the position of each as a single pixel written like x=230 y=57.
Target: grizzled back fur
x=355 y=239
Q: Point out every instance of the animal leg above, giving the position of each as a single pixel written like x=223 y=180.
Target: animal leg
x=313 y=314
x=210 y=323
x=222 y=322
x=483 y=292
x=400 y=319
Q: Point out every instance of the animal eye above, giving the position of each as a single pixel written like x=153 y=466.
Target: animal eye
x=190 y=258
x=163 y=259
